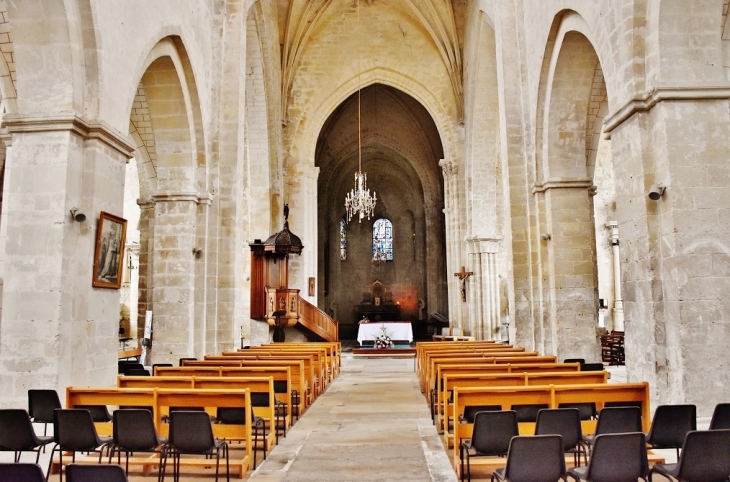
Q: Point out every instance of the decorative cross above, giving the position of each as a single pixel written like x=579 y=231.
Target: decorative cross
x=463 y=275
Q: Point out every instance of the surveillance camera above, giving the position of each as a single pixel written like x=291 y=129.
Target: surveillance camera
x=77 y=215
x=656 y=191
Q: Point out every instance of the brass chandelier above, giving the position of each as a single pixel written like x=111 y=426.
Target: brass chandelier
x=358 y=200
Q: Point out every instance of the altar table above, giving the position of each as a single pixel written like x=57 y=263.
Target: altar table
x=397 y=331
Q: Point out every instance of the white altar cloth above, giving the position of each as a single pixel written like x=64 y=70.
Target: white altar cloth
x=397 y=331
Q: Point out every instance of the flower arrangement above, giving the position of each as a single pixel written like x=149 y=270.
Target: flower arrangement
x=364 y=320
x=383 y=339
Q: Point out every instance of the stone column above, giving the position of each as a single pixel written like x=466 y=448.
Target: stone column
x=484 y=315
x=303 y=222
x=453 y=240
x=618 y=302
x=56 y=330
x=175 y=331
x=146 y=235
x=674 y=250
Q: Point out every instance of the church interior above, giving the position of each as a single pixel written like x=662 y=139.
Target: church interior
x=183 y=178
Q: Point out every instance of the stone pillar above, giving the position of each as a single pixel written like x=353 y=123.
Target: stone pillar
x=675 y=251
x=484 y=315
x=146 y=258
x=453 y=241
x=618 y=302
x=56 y=330
x=569 y=270
x=303 y=222
x=175 y=331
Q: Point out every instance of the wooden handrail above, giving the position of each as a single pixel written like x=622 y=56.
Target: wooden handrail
x=317 y=321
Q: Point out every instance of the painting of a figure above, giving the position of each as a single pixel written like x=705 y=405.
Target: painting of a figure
x=109 y=251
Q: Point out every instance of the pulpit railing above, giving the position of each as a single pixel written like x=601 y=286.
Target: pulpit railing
x=317 y=321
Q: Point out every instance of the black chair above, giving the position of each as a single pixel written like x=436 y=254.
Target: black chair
x=132 y=366
x=155 y=365
x=536 y=458
x=95 y=473
x=617 y=457
x=528 y=412
x=138 y=372
x=705 y=457
x=99 y=413
x=282 y=409
x=74 y=431
x=237 y=416
x=634 y=403
x=21 y=473
x=616 y=420
x=493 y=431
x=575 y=360
x=470 y=411
x=592 y=367
x=587 y=409
x=17 y=434
x=134 y=431
x=192 y=433
x=566 y=423
x=180 y=362
x=670 y=426
x=41 y=404
x=720 y=417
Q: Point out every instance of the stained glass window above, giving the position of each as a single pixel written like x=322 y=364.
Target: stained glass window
x=343 y=240
x=383 y=240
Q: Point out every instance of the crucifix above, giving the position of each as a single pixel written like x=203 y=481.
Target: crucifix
x=463 y=275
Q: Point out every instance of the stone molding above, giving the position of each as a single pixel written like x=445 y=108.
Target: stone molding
x=483 y=245
x=198 y=198
x=562 y=184
x=449 y=167
x=69 y=121
x=646 y=101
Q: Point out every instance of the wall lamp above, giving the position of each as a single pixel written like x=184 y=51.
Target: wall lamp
x=77 y=215
x=546 y=237
x=656 y=191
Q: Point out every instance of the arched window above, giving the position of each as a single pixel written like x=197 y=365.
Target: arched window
x=382 y=240
x=343 y=240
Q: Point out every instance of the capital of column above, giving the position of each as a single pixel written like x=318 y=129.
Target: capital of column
x=448 y=167
x=69 y=121
x=477 y=245
x=197 y=198
x=548 y=184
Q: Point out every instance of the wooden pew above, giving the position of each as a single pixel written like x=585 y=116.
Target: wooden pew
x=437 y=393
x=452 y=381
x=318 y=365
x=160 y=400
x=333 y=352
x=425 y=371
x=482 y=357
x=276 y=373
x=552 y=395
x=263 y=385
x=309 y=368
x=422 y=352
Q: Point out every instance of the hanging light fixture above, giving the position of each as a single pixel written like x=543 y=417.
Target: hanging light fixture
x=358 y=200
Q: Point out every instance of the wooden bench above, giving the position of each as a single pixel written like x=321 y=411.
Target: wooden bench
x=305 y=388
x=552 y=396
x=257 y=385
x=333 y=350
x=312 y=365
x=323 y=364
x=279 y=374
x=436 y=392
x=452 y=381
x=160 y=400
x=425 y=372
x=422 y=350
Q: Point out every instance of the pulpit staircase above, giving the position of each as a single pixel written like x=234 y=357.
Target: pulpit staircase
x=317 y=321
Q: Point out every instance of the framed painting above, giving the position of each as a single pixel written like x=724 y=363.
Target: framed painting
x=109 y=251
x=311 y=286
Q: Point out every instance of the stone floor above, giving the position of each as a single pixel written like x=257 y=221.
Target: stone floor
x=372 y=424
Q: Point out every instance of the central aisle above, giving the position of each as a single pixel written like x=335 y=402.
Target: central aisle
x=372 y=424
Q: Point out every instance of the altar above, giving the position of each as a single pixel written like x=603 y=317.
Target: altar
x=397 y=331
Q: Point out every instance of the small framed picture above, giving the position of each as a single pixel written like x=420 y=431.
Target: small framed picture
x=109 y=251
x=311 y=286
